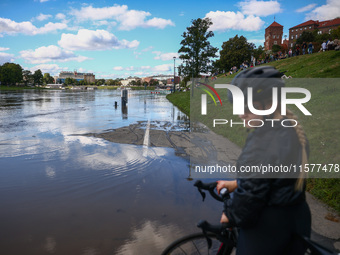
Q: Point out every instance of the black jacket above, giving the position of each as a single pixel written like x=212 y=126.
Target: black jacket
x=266 y=146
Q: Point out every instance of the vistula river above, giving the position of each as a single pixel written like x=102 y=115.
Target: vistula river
x=65 y=193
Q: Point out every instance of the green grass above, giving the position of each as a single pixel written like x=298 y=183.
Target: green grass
x=317 y=65
x=181 y=100
x=322 y=128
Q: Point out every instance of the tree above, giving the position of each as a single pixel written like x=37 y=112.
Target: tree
x=196 y=49
x=335 y=33
x=100 y=82
x=235 y=51
x=258 y=53
x=10 y=73
x=154 y=82
x=38 y=77
x=69 y=81
x=306 y=36
x=27 y=76
x=276 y=48
x=109 y=82
x=48 y=79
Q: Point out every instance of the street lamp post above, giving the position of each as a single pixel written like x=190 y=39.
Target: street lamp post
x=174 y=75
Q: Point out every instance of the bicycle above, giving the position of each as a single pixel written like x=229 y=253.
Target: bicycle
x=222 y=239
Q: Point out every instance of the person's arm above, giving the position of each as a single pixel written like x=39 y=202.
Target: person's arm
x=249 y=198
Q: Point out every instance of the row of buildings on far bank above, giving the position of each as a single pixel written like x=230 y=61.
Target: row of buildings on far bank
x=90 y=78
x=63 y=75
x=274 y=32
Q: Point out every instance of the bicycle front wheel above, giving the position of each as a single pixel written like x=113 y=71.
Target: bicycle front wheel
x=194 y=244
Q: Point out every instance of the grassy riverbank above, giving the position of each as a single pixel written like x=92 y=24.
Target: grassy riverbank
x=322 y=127
x=13 y=88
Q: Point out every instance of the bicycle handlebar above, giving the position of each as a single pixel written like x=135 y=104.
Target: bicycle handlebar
x=211 y=188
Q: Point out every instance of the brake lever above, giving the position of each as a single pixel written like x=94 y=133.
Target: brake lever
x=202 y=194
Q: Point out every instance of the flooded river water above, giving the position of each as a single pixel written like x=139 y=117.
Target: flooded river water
x=65 y=193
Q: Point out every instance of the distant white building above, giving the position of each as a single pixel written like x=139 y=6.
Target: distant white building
x=128 y=80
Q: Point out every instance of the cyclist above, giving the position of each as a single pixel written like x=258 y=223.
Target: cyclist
x=268 y=211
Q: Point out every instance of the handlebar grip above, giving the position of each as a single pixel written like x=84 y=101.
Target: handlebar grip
x=210 y=187
x=205 y=186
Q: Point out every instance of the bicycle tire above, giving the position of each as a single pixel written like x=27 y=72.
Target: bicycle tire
x=194 y=244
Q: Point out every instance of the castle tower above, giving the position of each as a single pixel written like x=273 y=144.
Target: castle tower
x=273 y=35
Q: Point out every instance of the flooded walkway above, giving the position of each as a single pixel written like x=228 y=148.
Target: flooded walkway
x=66 y=190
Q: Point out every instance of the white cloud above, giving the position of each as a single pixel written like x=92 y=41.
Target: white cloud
x=91 y=13
x=52 y=69
x=260 y=8
x=162 y=68
x=306 y=8
x=60 y=16
x=159 y=23
x=42 y=17
x=118 y=68
x=130 y=68
x=147 y=49
x=94 y=40
x=108 y=76
x=50 y=27
x=230 y=20
x=83 y=70
x=101 y=23
x=145 y=67
x=63 y=19
x=139 y=73
x=11 y=27
x=6 y=57
x=127 y=19
x=137 y=54
x=132 y=19
x=165 y=56
x=3 y=48
x=49 y=54
x=330 y=10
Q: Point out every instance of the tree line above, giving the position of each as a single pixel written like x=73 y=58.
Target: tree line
x=199 y=56
x=12 y=74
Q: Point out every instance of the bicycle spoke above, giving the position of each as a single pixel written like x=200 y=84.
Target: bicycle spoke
x=182 y=250
x=196 y=247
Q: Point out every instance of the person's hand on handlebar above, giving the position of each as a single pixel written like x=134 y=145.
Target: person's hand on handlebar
x=224 y=218
x=229 y=185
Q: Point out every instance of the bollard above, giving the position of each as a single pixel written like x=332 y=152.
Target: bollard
x=124 y=97
x=116 y=104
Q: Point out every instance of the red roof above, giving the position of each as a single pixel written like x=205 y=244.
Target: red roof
x=330 y=23
x=307 y=23
x=275 y=24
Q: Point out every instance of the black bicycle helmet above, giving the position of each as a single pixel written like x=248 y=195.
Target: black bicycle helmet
x=262 y=79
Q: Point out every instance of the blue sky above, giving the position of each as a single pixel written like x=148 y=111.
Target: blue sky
x=139 y=38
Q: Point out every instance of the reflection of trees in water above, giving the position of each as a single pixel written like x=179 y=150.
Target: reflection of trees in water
x=150 y=238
